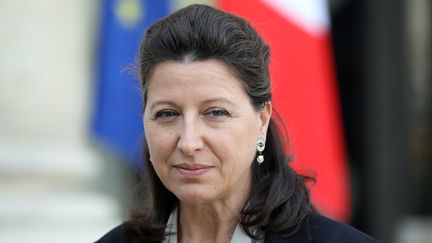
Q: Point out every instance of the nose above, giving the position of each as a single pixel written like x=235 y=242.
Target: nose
x=190 y=140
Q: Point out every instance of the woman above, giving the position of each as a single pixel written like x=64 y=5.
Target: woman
x=215 y=162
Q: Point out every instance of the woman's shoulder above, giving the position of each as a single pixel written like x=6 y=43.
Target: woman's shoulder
x=317 y=228
x=115 y=235
x=323 y=229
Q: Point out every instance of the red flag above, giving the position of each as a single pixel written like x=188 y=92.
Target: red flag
x=304 y=91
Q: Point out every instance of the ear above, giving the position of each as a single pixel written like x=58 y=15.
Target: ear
x=264 y=116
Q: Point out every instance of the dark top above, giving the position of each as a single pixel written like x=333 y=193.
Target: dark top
x=315 y=228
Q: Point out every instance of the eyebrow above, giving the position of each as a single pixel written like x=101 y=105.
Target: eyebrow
x=207 y=101
x=161 y=102
x=221 y=99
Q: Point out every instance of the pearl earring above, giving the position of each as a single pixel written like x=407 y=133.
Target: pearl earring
x=260 y=145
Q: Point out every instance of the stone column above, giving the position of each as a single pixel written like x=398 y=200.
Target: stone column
x=48 y=172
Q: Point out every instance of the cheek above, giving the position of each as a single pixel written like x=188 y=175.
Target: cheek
x=236 y=145
x=248 y=133
x=160 y=143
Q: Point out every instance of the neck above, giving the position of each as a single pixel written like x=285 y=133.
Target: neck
x=210 y=222
x=204 y=223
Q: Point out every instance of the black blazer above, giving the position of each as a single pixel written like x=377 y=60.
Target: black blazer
x=315 y=228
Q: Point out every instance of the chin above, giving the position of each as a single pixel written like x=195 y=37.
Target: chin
x=194 y=195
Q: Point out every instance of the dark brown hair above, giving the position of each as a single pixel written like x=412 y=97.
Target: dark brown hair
x=279 y=199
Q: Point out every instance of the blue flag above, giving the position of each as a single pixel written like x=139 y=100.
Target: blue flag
x=117 y=120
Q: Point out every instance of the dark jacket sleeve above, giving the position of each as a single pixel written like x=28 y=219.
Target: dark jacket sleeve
x=319 y=229
x=326 y=230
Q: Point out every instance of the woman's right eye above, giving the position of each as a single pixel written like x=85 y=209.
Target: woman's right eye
x=166 y=114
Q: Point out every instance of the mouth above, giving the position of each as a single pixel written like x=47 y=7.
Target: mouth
x=194 y=170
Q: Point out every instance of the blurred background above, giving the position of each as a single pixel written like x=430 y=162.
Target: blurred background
x=71 y=132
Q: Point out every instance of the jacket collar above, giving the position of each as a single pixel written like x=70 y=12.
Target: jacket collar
x=304 y=235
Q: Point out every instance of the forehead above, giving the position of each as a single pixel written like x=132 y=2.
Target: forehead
x=209 y=77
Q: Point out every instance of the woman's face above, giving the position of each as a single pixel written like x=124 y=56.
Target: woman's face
x=201 y=130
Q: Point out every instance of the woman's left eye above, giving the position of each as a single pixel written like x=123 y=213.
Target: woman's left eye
x=217 y=112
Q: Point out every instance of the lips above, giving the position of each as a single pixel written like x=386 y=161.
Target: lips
x=192 y=170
